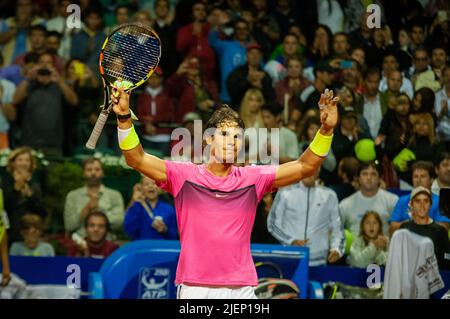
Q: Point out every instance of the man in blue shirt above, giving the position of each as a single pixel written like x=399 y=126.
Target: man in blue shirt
x=422 y=173
x=148 y=217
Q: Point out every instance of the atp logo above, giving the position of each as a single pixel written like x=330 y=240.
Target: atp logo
x=154 y=283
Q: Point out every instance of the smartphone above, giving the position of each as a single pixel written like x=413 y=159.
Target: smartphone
x=346 y=64
x=79 y=68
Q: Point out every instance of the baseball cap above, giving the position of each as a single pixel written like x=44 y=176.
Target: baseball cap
x=254 y=46
x=420 y=190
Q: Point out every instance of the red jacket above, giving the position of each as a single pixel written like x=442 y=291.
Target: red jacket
x=162 y=113
x=189 y=44
x=183 y=91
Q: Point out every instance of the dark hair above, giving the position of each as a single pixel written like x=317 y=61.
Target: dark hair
x=273 y=107
x=341 y=33
x=423 y=49
x=439 y=46
x=98 y=214
x=425 y=165
x=440 y=158
x=371 y=71
x=37 y=27
x=53 y=34
x=290 y=34
x=350 y=167
x=122 y=6
x=427 y=103
x=30 y=220
x=90 y=160
x=31 y=57
x=390 y=53
x=361 y=225
x=224 y=114
x=365 y=165
x=310 y=121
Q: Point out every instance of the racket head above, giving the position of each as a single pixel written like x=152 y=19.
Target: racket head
x=130 y=54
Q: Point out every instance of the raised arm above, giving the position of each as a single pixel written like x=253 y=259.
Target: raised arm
x=149 y=165
x=309 y=162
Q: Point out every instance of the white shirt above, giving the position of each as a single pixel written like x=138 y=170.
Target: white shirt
x=355 y=206
x=373 y=114
x=8 y=88
x=411 y=270
x=301 y=212
x=443 y=126
x=406 y=87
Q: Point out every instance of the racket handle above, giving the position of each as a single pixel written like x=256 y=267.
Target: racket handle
x=97 y=131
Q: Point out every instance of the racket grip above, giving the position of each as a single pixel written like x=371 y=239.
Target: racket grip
x=97 y=131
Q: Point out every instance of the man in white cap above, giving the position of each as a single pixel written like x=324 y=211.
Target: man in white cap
x=422 y=224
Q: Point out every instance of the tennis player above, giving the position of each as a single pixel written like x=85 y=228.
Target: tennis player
x=216 y=202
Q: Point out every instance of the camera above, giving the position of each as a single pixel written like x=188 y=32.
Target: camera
x=44 y=71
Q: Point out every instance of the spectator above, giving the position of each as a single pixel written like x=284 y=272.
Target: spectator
x=423 y=102
x=417 y=35
x=43 y=97
x=311 y=95
x=287 y=144
x=292 y=85
x=341 y=46
x=31 y=230
x=442 y=109
x=369 y=197
x=58 y=24
x=22 y=194
x=250 y=109
x=290 y=48
x=167 y=31
x=423 y=225
x=351 y=76
x=421 y=64
x=285 y=15
x=7 y=111
x=93 y=196
x=371 y=246
x=250 y=75
x=87 y=43
x=422 y=175
x=4 y=258
x=321 y=48
x=121 y=16
x=17 y=73
x=362 y=37
x=382 y=44
x=434 y=77
x=144 y=17
x=14 y=30
x=193 y=91
x=148 y=217
x=442 y=168
x=37 y=39
x=260 y=232
x=358 y=54
x=374 y=106
x=347 y=174
x=192 y=40
x=304 y=214
x=392 y=74
x=184 y=149
x=231 y=53
x=95 y=244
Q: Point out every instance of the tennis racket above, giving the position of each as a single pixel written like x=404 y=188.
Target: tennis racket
x=128 y=57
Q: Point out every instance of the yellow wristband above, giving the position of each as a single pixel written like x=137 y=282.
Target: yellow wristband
x=128 y=139
x=321 y=144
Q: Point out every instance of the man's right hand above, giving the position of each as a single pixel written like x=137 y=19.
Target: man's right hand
x=121 y=101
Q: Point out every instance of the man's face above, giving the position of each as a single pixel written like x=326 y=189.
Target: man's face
x=93 y=173
x=294 y=69
x=417 y=35
x=52 y=44
x=340 y=44
x=325 y=77
x=31 y=237
x=254 y=57
x=421 y=177
x=359 y=55
x=149 y=188
x=371 y=84
x=162 y=9
x=395 y=81
x=402 y=106
x=351 y=75
x=369 y=180
x=96 y=229
x=421 y=60
x=37 y=40
x=290 y=45
x=389 y=64
x=420 y=205
x=443 y=172
x=199 y=12
x=24 y=8
x=227 y=142
x=438 y=58
x=122 y=16
x=269 y=120
x=241 y=31
x=94 y=22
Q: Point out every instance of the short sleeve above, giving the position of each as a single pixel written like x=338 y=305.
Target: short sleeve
x=265 y=176
x=177 y=173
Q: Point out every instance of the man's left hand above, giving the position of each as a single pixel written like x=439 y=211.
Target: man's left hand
x=333 y=256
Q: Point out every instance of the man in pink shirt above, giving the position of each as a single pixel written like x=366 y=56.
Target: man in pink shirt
x=216 y=201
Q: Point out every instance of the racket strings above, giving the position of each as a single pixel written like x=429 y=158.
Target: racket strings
x=130 y=54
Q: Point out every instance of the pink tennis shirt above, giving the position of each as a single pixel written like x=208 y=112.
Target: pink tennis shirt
x=215 y=218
